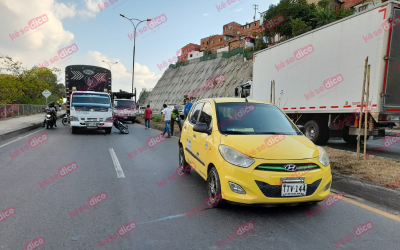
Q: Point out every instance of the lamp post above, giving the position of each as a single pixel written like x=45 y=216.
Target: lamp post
x=134 y=43
x=110 y=64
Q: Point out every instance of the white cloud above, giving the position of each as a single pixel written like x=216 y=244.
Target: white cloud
x=92 y=8
x=37 y=44
x=62 y=10
x=122 y=77
x=238 y=10
x=206 y=14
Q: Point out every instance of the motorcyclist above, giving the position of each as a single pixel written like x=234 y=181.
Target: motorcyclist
x=54 y=113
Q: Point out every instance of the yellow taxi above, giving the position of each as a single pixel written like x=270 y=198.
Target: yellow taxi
x=251 y=152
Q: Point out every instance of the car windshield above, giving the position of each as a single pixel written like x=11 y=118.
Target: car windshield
x=122 y=104
x=253 y=118
x=91 y=99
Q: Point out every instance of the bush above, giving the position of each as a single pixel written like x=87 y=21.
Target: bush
x=156 y=118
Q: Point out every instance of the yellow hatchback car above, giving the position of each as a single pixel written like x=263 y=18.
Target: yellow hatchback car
x=252 y=153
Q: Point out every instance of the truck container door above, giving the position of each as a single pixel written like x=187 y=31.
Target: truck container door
x=391 y=87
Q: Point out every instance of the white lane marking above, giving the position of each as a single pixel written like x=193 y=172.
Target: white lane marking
x=19 y=138
x=117 y=166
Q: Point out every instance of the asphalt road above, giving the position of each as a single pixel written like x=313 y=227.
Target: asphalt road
x=391 y=151
x=132 y=194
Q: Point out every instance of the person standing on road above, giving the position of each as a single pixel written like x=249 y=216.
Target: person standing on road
x=188 y=106
x=166 y=116
x=175 y=118
x=147 y=117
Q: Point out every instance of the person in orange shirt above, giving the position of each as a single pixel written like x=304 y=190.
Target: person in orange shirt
x=147 y=117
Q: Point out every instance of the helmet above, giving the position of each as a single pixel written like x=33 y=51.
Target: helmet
x=51 y=103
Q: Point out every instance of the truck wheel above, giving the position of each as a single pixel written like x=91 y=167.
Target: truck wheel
x=317 y=132
x=351 y=139
x=108 y=130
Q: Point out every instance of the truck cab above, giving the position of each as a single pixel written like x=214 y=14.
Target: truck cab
x=90 y=110
x=125 y=109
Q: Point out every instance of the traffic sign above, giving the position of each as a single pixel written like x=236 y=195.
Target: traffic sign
x=46 y=93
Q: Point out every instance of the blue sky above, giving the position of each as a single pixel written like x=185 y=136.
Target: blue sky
x=103 y=35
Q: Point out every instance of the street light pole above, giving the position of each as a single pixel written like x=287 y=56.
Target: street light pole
x=134 y=44
x=110 y=64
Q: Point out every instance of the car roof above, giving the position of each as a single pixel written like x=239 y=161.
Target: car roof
x=232 y=100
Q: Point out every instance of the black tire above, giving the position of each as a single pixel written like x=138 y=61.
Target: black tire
x=74 y=130
x=51 y=126
x=214 y=188
x=351 y=139
x=133 y=121
x=64 y=121
x=47 y=126
x=108 y=130
x=317 y=132
x=182 y=162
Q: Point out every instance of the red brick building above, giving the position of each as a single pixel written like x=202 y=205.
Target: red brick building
x=233 y=36
x=186 y=50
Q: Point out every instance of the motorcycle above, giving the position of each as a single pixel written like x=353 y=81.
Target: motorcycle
x=49 y=119
x=120 y=126
x=65 y=119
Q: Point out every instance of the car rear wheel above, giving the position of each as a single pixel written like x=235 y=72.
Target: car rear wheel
x=214 y=189
x=108 y=130
x=182 y=162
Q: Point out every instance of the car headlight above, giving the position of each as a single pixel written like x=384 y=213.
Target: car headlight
x=73 y=118
x=235 y=157
x=323 y=157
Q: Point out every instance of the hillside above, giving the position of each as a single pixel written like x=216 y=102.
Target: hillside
x=175 y=83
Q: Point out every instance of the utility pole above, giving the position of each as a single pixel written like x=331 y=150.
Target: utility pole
x=110 y=64
x=255 y=6
x=134 y=43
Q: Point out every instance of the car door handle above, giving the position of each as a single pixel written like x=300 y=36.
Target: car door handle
x=194 y=136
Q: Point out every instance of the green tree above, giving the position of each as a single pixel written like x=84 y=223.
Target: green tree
x=27 y=85
x=299 y=26
x=323 y=3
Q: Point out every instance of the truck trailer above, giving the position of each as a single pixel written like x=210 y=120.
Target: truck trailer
x=318 y=76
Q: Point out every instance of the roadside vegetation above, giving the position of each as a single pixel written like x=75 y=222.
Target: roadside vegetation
x=375 y=169
x=25 y=86
x=300 y=17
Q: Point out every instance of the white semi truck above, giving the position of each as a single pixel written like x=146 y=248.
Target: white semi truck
x=319 y=75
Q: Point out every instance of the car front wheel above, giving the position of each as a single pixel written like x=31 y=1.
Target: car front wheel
x=214 y=189
x=182 y=162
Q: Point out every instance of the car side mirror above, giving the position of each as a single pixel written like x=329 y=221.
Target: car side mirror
x=301 y=128
x=201 y=128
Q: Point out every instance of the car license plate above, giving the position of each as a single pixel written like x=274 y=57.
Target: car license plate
x=91 y=124
x=294 y=189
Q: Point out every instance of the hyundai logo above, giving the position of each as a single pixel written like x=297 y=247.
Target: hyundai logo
x=291 y=167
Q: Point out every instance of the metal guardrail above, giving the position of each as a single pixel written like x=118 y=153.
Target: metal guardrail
x=11 y=110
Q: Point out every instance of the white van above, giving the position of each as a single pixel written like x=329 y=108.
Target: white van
x=90 y=110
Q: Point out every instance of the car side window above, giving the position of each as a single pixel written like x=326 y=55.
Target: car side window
x=195 y=113
x=206 y=115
